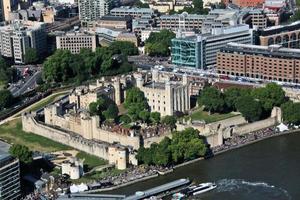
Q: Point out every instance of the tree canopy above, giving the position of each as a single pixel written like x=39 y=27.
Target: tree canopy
x=170 y=121
x=254 y=104
x=22 y=152
x=159 y=43
x=155 y=117
x=105 y=108
x=135 y=103
x=212 y=99
x=6 y=99
x=196 y=9
x=269 y=96
x=250 y=108
x=139 y=4
x=6 y=72
x=184 y=145
x=63 y=66
x=291 y=112
x=31 y=56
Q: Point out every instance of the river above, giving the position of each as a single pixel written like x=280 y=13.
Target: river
x=269 y=169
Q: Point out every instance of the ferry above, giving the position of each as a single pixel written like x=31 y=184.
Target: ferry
x=194 y=190
x=201 y=188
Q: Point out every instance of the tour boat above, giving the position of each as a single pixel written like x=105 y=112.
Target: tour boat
x=201 y=188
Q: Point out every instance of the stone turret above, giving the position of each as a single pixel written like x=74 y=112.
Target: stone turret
x=117 y=87
x=139 y=82
x=155 y=75
x=184 y=79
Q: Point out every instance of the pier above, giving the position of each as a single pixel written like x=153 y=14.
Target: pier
x=159 y=189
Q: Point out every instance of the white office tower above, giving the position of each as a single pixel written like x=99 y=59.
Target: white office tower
x=91 y=10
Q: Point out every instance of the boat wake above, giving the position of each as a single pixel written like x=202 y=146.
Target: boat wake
x=254 y=190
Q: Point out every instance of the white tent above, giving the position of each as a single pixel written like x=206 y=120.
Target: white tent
x=74 y=188
x=282 y=127
x=82 y=187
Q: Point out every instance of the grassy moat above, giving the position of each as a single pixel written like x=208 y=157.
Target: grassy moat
x=199 y=115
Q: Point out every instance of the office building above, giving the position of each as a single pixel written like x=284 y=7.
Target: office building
x=131 y=11
x=202 y=23
x=16 y=38
x=114 y=22
x=5 y=7
x=75 y=41
x=264 y=62
x=275 y=4
x=200 y=51
x=285 y=35
x=257 y=19
x=245 y=3
x=9 y=175
x=91 y=10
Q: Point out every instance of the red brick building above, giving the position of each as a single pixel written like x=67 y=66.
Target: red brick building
x=245 y=3
x=263 y=62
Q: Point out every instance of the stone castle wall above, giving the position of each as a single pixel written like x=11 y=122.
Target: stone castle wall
x=88 y=127
x=31 y=125
x=102 y=150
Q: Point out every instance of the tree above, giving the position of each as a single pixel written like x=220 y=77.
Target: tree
x=162 y=154
x=269 y=96
x=96 y=108
x=196 y=9
x=111 y=112
x=184 y=145
x=57 y=68
x=135 y=102
x=211 y=99
x=123 y=47
x=31 y=56
x=250 y=108
x=295 y=17
x=291 y=113
x=155 y=117
x=170 y=121
x=63 y=66
x=187 y=145
x=139 y=4
x=125 y=119
x=6 y=99
x=232 y=94
x=159 y=43
x=145 y=155
x=6 y=72
x=144 y=115
x=22 y=152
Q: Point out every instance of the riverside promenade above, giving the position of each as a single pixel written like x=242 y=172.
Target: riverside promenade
x=151 y=172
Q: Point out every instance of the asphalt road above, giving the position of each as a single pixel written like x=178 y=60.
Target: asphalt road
x=29 y=84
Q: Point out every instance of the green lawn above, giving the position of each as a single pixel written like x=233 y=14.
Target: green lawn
x=202 y=115
x=91 y=161
x=46 y=101
x=12 y=133
x=298 y=3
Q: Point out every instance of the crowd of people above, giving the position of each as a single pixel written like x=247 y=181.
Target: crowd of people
x=240 y=140
x=134 y=173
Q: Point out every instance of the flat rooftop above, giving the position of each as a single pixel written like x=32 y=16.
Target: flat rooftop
x=274 y=50
x=4 y=148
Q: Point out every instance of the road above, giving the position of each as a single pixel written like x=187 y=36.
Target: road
x=17 y=115
x=29 y=84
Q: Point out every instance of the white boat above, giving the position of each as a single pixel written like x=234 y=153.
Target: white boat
x=201 y=188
